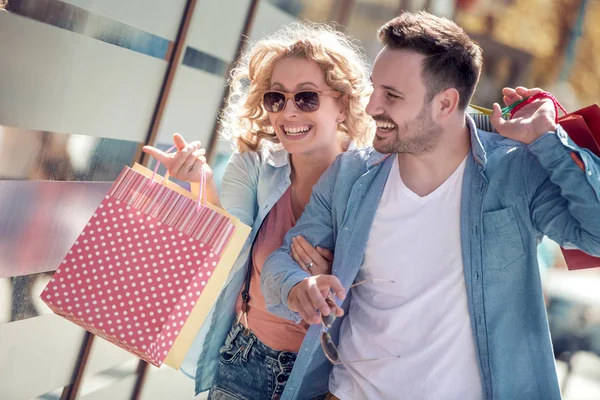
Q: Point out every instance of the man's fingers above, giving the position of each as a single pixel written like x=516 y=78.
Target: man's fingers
x=496 y=117
x=521 y=90
x=509 y=100
x=317 y=300
x=534 y=91
x=306 y=304
x=334 y=284
x=522 y=93
x=508 y=92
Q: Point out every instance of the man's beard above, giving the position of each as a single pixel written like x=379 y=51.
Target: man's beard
x=416 y=137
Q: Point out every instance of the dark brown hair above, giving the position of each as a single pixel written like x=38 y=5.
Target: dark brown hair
x=452 y=58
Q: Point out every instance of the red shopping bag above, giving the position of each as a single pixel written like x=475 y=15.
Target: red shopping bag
x=583 y=127
x=142 y=266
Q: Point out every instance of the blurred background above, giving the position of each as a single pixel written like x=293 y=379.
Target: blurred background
x=84 y=84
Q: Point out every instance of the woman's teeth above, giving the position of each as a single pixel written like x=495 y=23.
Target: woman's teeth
x=296 y=130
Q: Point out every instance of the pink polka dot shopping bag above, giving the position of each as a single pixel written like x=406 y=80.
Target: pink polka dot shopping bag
x=148 y=267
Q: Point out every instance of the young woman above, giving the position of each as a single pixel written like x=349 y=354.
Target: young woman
x=297 y=101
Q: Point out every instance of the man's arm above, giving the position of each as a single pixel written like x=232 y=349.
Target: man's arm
x=565 y=198
x=564 y=186
x=280 y=272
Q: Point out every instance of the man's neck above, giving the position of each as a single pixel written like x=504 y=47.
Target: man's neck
x=424 y=173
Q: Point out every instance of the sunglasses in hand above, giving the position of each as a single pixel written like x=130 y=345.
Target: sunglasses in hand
x=306 y=100
x=327 y=321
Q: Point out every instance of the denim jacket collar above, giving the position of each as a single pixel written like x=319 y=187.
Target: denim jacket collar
x=275 y=155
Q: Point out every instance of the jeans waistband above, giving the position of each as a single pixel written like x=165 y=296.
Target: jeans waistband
x=285 y=359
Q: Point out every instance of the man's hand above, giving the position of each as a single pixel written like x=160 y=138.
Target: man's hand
x=308 y=297
x=530 y=122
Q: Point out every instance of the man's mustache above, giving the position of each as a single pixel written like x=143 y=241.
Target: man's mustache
x=383 y=118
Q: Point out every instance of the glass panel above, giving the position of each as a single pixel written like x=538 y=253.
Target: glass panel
x=39 y=221
x=40 y=155
x=59 y=81
x=38 y=356
x=307 y=9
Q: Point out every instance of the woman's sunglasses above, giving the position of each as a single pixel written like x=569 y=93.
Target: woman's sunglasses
x=327 y=321
x=305 y=101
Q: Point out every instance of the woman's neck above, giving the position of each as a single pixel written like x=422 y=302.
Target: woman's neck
x=307 y=168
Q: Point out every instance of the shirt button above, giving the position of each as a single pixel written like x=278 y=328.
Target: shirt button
x=590 y=173
x=346 y=228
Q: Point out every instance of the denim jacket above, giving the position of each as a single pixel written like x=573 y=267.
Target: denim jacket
x=252 y=183
x=512 y=195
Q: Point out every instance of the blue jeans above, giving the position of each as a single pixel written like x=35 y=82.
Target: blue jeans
x=249 y=369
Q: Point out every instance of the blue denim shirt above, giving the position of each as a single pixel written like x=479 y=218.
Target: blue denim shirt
x=512 y=195
x=252 y=183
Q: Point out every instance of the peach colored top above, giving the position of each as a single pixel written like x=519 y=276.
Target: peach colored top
x=276 y=332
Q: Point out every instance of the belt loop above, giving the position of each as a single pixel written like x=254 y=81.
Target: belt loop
x=236 y=331
x=248 y=348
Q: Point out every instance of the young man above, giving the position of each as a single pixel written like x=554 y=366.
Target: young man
x=443 y=220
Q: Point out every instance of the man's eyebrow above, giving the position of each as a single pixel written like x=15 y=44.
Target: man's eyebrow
x=393 y=89
x=390 y=88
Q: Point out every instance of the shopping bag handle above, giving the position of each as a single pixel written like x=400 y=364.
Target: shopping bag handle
x=517 y=105
x=201 y=196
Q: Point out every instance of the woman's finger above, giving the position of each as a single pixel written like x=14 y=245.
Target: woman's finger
x=198 y=154
x=297 y=258
x=183 y=160
x=179 y=159
x=325 y=253
x=305 y=259
x=158 y=154
x=307 y=250
x=189 y=163
x=179 y=141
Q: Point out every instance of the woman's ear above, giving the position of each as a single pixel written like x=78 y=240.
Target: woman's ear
x=343 y=114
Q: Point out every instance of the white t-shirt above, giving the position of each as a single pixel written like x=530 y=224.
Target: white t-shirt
x=421 y=320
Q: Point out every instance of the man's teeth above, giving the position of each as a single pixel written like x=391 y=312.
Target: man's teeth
x=385 y=126
x=296 y=130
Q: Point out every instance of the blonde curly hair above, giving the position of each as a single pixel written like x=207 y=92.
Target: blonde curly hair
x=245 y=122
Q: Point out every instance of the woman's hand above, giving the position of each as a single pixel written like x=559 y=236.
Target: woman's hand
x=187 y=163
x=315 y=261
